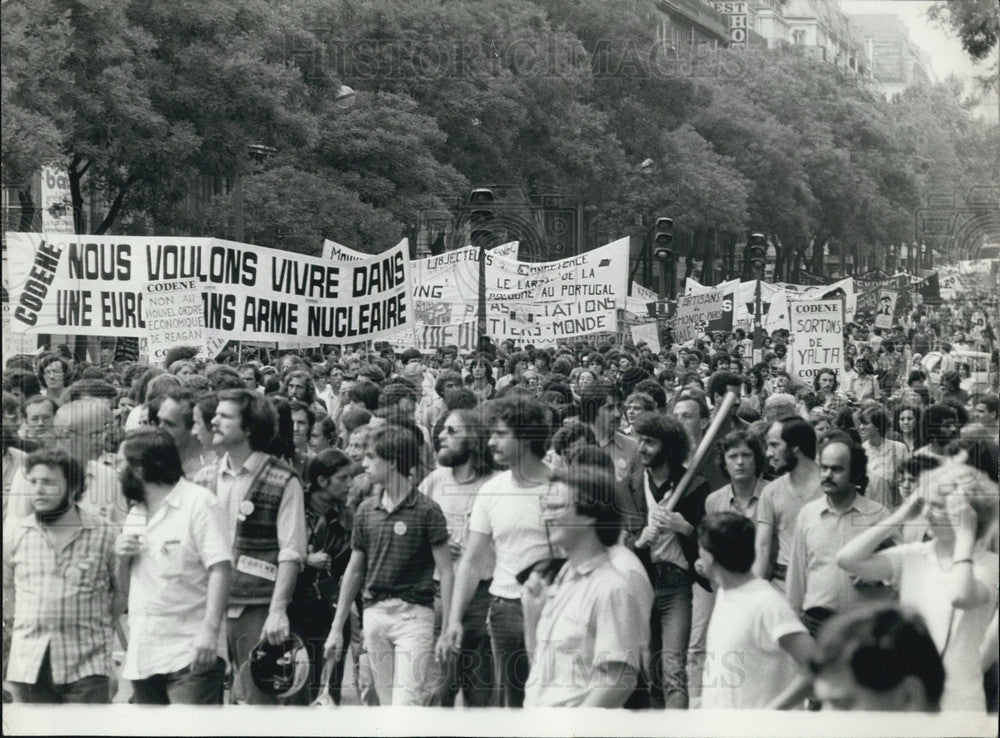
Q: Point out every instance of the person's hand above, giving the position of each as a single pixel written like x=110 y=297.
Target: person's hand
x=276 y=627
x=442 y=649
x=962 y=515
x=911 y=508
x=204 y=650
x=534 y=593
x=659 y=518
x=334 y=645
x=452 y=636
x=319 y=560
x=455 y=549
x=128 y=545
x=675 y=521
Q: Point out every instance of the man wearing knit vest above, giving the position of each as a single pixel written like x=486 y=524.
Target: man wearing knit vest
x=262 y=500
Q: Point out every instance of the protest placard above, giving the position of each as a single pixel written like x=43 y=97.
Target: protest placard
x=648 y=332
x=817 y=333
x=695 y=312
x=886 y=310
x=174 y=316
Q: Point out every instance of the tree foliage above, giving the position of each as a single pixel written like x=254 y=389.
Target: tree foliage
x=141 y=102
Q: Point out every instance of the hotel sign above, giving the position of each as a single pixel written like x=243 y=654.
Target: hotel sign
x=738 y=21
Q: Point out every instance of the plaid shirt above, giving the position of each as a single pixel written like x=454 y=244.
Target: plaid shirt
x=63 y=600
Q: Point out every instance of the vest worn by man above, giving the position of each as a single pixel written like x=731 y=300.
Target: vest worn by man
x=255 y=548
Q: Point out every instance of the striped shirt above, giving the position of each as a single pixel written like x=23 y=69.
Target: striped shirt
x=63 y=600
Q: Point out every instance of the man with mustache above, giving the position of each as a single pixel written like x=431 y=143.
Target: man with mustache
x=665 y=542
x=817 y=588
x=59 y=560
x=791 y=450
x=173 y=565
x=464 y=465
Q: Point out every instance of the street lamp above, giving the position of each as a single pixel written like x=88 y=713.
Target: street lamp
x=757 y=247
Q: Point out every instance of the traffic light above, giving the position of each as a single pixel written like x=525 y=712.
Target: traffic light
x=662 y=238
x=479 y=219
x=757 y=246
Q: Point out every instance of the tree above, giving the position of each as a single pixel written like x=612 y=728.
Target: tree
x=294 y=210
x=975 y=22
x=140 y=96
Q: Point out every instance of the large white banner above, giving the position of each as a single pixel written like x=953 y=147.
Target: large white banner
x=94 y=285
x=538 y=303
x=817 y=332
x=774 y=299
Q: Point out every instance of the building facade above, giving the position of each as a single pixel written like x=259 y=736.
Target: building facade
x=897 y=63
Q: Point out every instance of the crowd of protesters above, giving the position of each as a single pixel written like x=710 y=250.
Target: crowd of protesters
x=494 y=526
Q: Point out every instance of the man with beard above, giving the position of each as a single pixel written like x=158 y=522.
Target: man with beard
x=174 y=567
x=506 y=517
x=601 y=409
x=465 y=464
x=665 y=542
x=59 y=560
x=817 y=588
x=942 y=429
x=791 y=451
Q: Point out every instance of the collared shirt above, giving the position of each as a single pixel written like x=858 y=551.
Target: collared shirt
x=623 y=451
x=168 y=581
x=232 y=487
x=594 y=615
x=63 y=600
x=398 y=547
x=723 y=500
x=814 y=579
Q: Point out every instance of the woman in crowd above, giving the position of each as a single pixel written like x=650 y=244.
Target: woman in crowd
x=908 y=423
x=54 y=377
x=480 y=379
x=952 y=580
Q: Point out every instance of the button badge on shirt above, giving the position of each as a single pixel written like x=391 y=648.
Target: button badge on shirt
x=399 y=528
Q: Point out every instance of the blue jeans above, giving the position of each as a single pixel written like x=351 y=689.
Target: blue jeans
x=471 y=669
x=182 y=687
x=510 y=657
x=671 y=632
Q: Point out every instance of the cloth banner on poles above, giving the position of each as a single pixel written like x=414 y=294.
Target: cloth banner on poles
x=94 y=285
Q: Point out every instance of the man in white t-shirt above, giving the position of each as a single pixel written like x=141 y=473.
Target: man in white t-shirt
x=754 y=638
x=464 y=466
x=507 y=513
